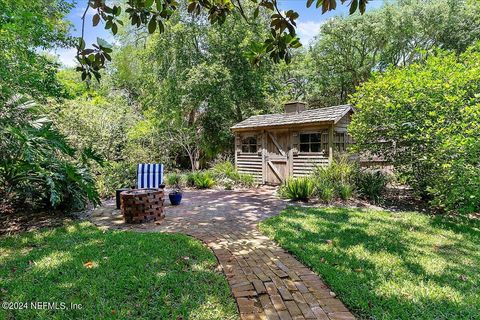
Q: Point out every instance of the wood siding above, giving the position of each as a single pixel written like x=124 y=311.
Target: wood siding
x=342 y=124
x=303 y=164
x=249 y=163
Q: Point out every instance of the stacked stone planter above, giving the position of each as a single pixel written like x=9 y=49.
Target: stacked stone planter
x=142 y=205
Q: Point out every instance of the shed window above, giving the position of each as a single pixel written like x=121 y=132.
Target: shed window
x=341 y=141
x=249 y=145
x=311 y=142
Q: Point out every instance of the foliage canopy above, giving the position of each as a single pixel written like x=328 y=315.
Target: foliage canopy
x=424 y=118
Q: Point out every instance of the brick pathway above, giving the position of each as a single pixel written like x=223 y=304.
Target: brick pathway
x=266 y=281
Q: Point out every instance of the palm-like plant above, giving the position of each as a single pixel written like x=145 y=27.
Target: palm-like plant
x=36 y=162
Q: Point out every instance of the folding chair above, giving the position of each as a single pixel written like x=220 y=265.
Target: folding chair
x=150 y=175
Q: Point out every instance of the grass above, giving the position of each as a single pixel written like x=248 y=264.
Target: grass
x=113 y=275
x=386 y=265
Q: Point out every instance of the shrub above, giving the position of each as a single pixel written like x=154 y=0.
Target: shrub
x=341 y=170
x=228 y=184
x=38 y=166
x=430 y=112
x=115 y=175
x=325 y=192
x=297 y=189
x=225 y=171
x=336 y=179
x=459 y=190
x=371 y=184
x=173 y=179
x=203 y=180
x=189 y=179
x=345 y=191
x=246 y=180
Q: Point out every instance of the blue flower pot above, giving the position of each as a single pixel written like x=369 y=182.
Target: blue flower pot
x=175 y=198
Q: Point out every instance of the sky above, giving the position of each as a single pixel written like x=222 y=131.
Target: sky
x=308 y=23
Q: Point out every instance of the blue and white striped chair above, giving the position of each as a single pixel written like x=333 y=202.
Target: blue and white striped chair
x=149 y=175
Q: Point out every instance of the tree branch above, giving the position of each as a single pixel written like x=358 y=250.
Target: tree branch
x=83 y=22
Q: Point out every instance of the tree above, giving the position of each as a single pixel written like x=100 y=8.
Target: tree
x=195 y=78
x=347 y=50
x=27 y=27
x=423 y=118
x=38 y=166
x=153 y=14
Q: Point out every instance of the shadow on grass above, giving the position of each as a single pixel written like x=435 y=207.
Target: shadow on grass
x=387 y=265
x=112 y=275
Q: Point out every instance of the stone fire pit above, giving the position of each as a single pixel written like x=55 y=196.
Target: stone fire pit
x=142 y=205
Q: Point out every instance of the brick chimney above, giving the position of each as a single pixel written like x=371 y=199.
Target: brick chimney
x=295 y=107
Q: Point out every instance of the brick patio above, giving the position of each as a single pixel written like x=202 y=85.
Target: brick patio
x=266 y=281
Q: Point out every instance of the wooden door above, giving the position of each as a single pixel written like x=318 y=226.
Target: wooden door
x=276 y=157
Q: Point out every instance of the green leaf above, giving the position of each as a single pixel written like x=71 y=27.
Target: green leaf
x=353 y=6
x=362 y=7
x=81 y=43
x=159 y=6
x=256 y=12
x=152 y=25
x=102 y=43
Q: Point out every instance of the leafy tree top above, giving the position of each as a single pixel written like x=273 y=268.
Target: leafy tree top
x=152 y=14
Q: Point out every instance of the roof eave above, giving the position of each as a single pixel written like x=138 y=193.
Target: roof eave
x=279 y=126
x=344 y=113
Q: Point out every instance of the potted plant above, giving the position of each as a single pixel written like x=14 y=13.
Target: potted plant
x=174 y=181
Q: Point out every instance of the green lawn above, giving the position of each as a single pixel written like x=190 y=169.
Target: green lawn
x=113 y=275
x=386 y=265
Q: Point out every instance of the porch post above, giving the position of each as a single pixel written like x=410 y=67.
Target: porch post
x=264 y=156
x=330 y=144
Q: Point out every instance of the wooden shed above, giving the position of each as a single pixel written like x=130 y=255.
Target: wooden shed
x=273 y=147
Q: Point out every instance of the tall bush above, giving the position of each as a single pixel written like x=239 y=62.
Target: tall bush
x=424 y=120
x=37 y=165
x=336 y=179
x=371 y=184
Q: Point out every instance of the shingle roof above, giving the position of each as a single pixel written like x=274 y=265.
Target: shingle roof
x=328 y=114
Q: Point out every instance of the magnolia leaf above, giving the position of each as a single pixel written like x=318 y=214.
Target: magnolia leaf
x=103 y=43
x=114 y=28
x=152 y=25
x=256 y=12
x=96 y=19
x=81 y=43
x=362 y=7
x=353 y=6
